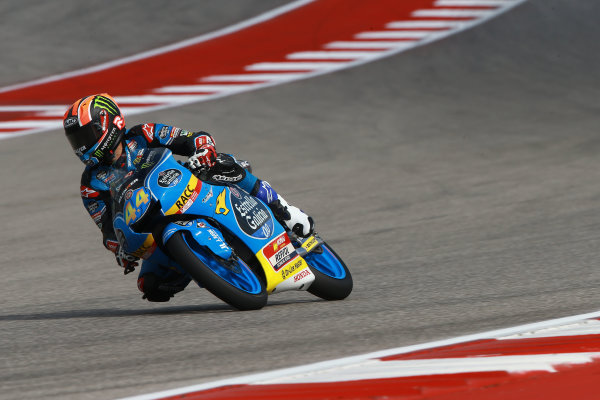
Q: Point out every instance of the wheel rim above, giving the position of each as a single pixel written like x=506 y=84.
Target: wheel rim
x=326 y=263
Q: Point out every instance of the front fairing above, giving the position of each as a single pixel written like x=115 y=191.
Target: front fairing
x=158 y=178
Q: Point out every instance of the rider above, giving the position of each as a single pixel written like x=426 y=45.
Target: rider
x=95 y=127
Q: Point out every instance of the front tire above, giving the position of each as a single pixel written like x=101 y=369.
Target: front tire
x=238 y=287
x=333 y=280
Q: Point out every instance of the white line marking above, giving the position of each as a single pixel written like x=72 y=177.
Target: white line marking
x=294 y=66
x=203 y=88
x=393 y=34
x=364 y=44
x=282 y=76
x=161 y=50
x=350 y=361
x=471 y=3
x=375 y=369
x=586 y=327
x=433 y=24
x=332 y=55
x=451 y=13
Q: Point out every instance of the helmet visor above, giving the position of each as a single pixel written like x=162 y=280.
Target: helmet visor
x=83 y=138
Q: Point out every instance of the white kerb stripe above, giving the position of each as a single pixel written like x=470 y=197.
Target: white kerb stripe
x=24 y=108
x=472 y=3
x=159 y=99
x=451 y=13
x=271 y=14
x=375 y=369
x=282 y=76
x=31 y=124
x=365 y=44
x=203 y=88
x=332 y=55
x=393 y=34
x=294 y=66
x=433 y=24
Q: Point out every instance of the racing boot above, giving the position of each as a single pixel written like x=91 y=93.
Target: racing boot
x=157 y=289
x=289 y=216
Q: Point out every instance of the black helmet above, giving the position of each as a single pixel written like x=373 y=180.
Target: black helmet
x=94 y=126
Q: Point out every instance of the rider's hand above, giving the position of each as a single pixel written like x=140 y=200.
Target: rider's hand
x=125 y=260
x=205 y=156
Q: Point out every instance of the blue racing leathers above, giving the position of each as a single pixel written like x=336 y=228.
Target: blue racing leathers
x=157 y=282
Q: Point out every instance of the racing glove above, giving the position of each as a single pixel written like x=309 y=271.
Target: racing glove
x=204 y=157
x=126 y=260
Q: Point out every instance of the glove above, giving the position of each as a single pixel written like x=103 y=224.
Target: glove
x=126 y=260
x=204 y=157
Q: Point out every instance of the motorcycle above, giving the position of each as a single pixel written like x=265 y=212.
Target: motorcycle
x=226 y=240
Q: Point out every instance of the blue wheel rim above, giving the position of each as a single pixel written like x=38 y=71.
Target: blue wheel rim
x=242 y=278
x=326 y=263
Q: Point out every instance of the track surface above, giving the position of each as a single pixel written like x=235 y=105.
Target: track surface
x=458 y=181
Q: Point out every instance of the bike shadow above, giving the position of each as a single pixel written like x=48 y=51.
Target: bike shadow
x=119 y=313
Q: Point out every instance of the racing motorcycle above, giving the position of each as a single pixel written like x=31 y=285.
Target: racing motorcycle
x=226 y=240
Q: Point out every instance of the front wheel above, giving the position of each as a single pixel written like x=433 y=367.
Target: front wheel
x=231 y=281
x=332 y=278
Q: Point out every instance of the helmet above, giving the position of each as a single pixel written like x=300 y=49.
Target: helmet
x=94 y=126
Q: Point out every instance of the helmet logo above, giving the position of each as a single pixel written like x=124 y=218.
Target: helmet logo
x=104 y=121
x=69 y=122
x=106 y=104
x=119 y=122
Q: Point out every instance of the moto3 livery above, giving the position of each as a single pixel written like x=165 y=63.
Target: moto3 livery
x=226 y=240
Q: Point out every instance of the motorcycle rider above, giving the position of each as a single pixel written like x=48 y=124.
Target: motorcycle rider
x=95 y=128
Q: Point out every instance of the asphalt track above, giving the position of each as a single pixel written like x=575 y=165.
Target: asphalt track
x=458 y=180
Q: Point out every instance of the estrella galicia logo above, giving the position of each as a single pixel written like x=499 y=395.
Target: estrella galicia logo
x=169 y=177
x=251 y=215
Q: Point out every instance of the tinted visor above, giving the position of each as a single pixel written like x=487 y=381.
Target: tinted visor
x=83 y=138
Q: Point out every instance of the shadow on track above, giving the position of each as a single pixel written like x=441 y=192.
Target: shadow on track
x=117 y=313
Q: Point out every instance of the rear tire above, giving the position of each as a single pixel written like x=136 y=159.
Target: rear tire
x=214 y=283
x=333 y=280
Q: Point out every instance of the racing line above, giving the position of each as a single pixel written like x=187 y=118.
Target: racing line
x=550 y=360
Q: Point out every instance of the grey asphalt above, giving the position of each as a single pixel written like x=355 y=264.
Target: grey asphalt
x=459 y=181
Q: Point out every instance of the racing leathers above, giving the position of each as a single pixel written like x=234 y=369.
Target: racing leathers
x=96 y=180
x=160 y=283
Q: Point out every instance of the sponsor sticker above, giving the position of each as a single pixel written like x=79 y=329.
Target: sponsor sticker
x=148 y=130
x=224 y=178
x=187 y=198
x=88 y=192
x=164 y=132
x=252 y=215
x=104 y=121
x=169 y=178
x=69 y=122
x=208 y=196
x=301 y=275
x=292 y=268
x=221 y=204
x=280 y=251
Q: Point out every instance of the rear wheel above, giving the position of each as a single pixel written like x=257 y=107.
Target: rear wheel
x=332 y=278
x=230 y=280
